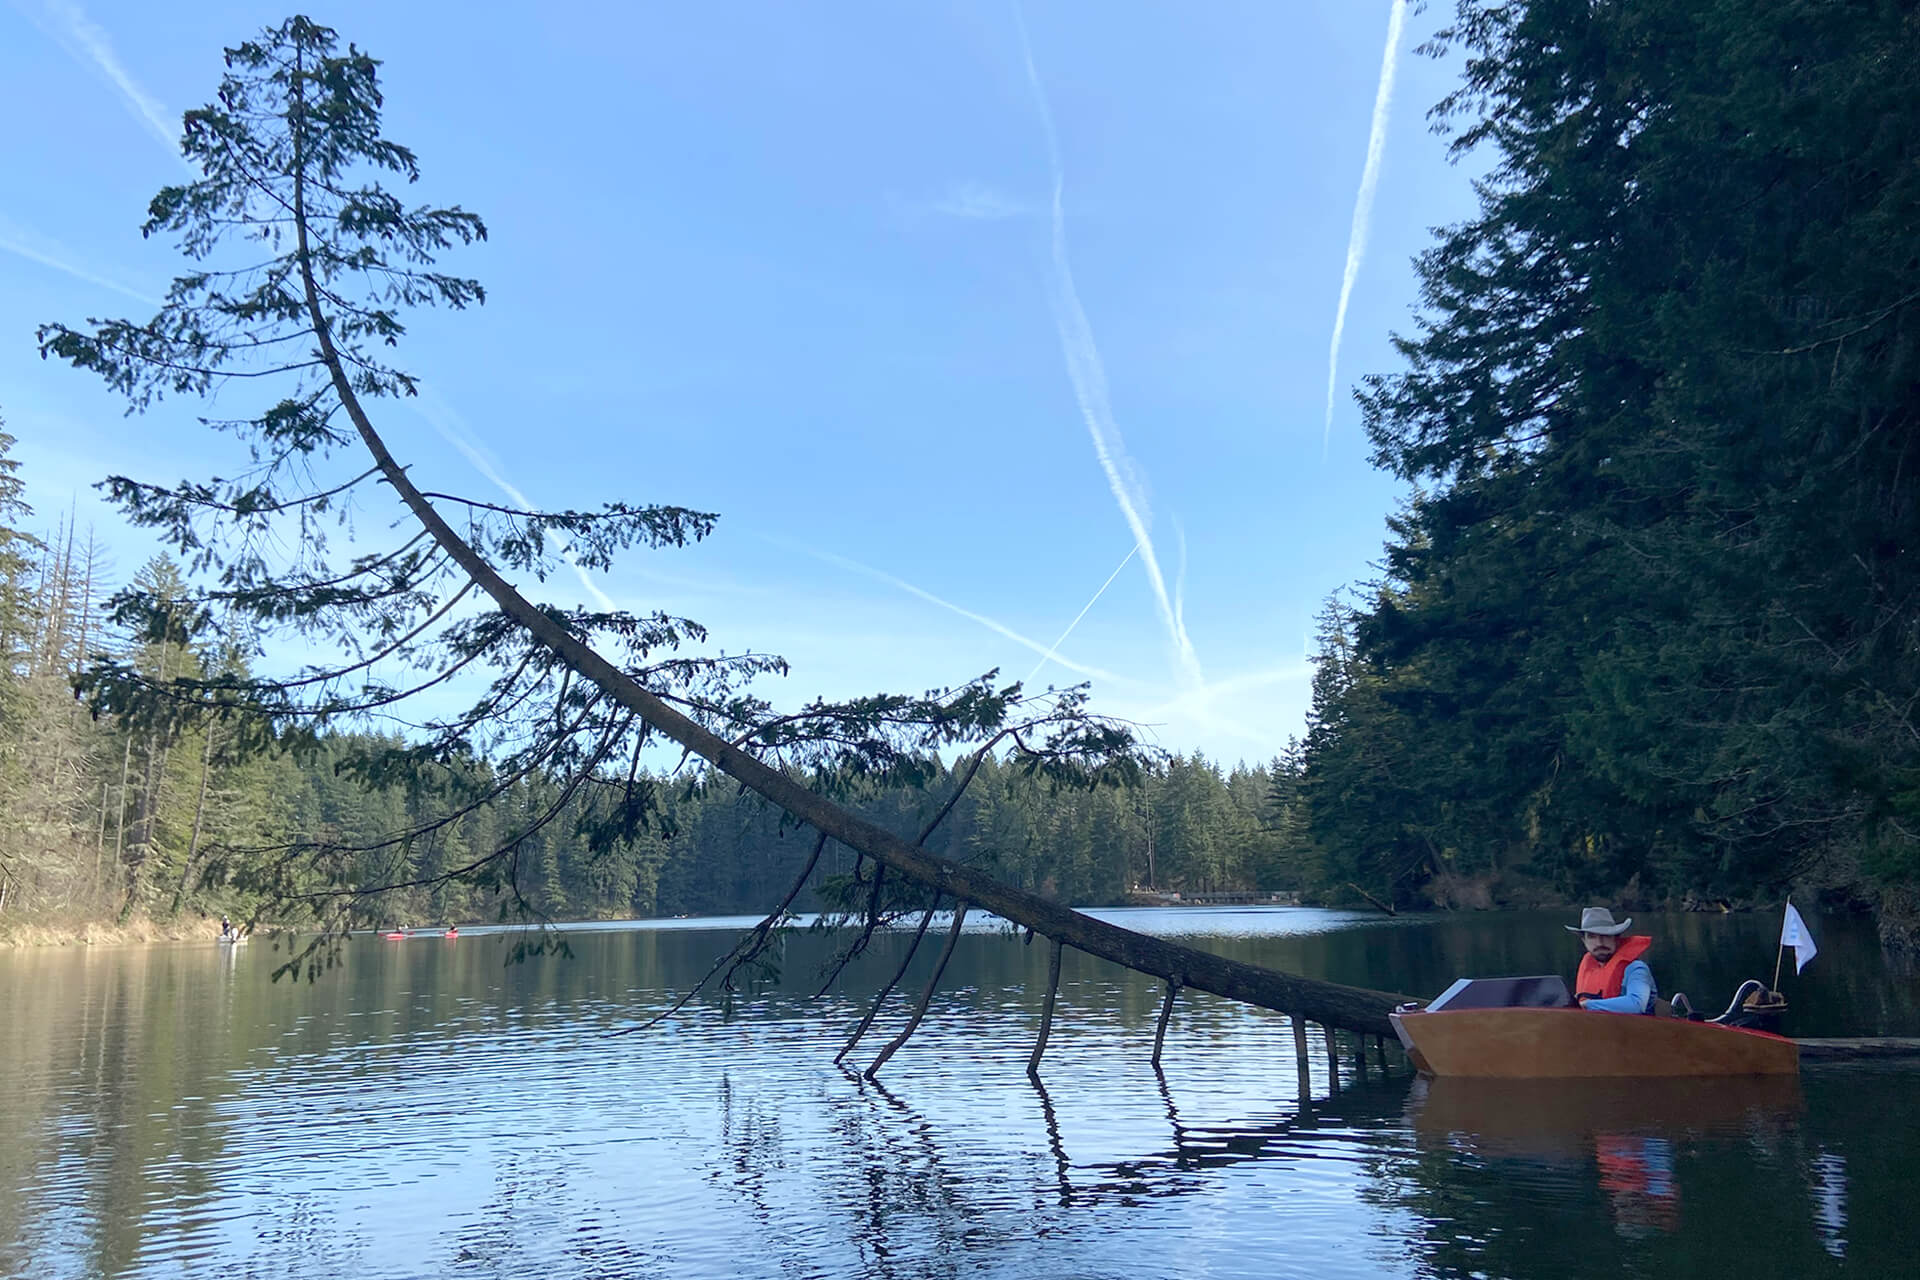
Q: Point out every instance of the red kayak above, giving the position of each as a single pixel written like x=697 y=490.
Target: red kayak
x=394 y=937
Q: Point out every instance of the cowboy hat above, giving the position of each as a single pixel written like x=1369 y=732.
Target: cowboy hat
x=1600 y=920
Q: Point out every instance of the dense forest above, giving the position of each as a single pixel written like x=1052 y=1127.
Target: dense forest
x=1647 y=627
x=109 y=819
x=1650 y=620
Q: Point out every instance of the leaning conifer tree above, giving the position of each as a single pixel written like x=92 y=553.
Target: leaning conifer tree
x=304 y=265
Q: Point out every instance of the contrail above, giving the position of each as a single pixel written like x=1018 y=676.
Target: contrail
x=92 y=39
x=1199 y=704
x=437 y=412
x=1363 y=202
x=13 y=242
x=1054 y=648
x=999 y=628
x=441 y=416
x=1089 y=378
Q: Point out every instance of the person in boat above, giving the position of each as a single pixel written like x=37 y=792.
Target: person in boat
x=1613 y=977
x=226 y=927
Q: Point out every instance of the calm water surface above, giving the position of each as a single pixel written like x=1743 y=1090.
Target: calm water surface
x=428 y=1110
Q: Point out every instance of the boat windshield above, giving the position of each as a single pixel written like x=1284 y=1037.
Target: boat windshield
x=1549 y=992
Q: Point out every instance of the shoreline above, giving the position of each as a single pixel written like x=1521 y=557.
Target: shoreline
x=21 y=935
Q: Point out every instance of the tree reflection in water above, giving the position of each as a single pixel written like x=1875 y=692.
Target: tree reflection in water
x=434 y=1112
x=1496 y=1177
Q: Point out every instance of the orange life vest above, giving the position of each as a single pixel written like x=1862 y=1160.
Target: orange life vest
x=1603 y=981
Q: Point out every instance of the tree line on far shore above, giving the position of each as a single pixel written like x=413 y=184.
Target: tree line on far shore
x=108 y=820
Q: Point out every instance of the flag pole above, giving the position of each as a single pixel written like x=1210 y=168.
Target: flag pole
x=1781 y=951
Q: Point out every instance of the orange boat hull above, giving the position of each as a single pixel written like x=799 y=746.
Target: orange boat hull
x=1557 y=1043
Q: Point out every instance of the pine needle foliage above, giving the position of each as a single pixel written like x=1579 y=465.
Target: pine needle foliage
x=305 y=262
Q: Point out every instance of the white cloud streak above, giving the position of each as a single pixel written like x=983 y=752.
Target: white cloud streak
x=36 y=248
x=1215 y=707
x=998 y=628
x=1241 y=694
x=1089 y=377
x=1363 y=203
x=1054 y=648
x=70 y=26
x=452 y=428
x=977 y=202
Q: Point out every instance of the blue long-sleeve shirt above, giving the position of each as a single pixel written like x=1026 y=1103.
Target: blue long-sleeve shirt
x=1636 y=992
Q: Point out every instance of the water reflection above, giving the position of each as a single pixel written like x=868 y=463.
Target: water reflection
x=1625 y=1132
x=1514 y=1177
x=911 y=1205
x=1063 y=1167
x=433 y=1111
x=1546 y=1118
x=1830 y=1201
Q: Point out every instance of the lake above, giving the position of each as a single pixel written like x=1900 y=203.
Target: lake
x=427 y=1109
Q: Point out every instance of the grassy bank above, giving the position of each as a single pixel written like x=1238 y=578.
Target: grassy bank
x=94 y=933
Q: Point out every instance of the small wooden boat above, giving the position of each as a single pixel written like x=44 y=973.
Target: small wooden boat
x=1529 y=1028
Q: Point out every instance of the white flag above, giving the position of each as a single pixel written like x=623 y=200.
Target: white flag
x=1794 y=933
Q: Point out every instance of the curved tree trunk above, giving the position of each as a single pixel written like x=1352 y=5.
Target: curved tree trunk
x=1352 y=1008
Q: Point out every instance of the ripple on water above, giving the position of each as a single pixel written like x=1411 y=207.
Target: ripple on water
x=436 y=1114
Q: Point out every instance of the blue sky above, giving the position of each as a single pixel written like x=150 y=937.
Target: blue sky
x=804 y=265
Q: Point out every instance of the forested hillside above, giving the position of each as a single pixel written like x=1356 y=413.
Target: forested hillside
x=1651 y=620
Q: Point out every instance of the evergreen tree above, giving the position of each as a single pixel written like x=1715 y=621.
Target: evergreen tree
x=1655 y=615
x=17 y=555
x=304 y=267
x=291 y=156
x=16 y=626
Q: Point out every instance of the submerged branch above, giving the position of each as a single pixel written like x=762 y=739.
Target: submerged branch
x=880 y=997
x=743 y=951
x=926 y=994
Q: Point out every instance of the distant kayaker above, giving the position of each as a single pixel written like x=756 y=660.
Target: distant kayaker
x=226 y=927
x=1613 y=978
